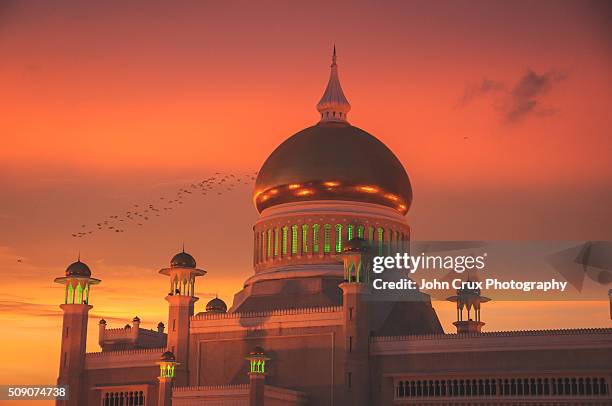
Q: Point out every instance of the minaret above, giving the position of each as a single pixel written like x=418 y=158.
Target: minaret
x=468 y=299
x=167 y=369
x=257 y=376
x=76 y=307
x=355 y=292
x=333 y=106
x=182 y=273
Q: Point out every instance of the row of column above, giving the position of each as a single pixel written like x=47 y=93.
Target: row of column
x=322 y=239
x=575 y=386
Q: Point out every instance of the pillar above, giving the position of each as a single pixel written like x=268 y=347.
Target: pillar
x=257 y=376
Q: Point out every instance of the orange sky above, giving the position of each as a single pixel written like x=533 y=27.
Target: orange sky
x=109 y=105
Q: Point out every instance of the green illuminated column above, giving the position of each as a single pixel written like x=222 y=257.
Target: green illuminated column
x=167 y=366
x=257 y=374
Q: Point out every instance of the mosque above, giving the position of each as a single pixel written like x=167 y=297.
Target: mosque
x=303 y=329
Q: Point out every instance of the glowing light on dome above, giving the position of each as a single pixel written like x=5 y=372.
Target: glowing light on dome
x=294 y=186
x=331 y=184
x=368 y=189
x=392 y=197
x=304 y=192
x=273 y=191
x=402 y=207
x=265 y=197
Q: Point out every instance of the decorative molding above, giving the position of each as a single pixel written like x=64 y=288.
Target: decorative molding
x=502 y=341
x=281 y=312
x=123 y=358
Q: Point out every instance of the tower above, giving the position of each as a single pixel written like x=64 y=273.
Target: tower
x=181 y=298
x=167 y=369
x=77 y=282
x=355 y=292
x=468 y=298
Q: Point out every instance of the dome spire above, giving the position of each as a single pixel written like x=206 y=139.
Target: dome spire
x=333 y=106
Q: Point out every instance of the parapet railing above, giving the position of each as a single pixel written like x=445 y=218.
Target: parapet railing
x=101 y=354
x=210 y=387
x=577 y=331
x=281 y=312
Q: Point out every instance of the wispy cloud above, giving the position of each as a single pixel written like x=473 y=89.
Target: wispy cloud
x=525 y=96
x=486 y=86
x=514 y=103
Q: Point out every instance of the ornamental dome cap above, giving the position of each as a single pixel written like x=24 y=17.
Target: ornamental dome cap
x=333 y=105
x=216 y=305
x=78 y=268
x=257 y=351
x=168 y=356
x=182 y=260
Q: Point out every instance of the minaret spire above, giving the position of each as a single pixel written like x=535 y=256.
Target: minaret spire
x=333 y=106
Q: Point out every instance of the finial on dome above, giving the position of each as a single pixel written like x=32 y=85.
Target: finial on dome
x=333 y=106
x=334 y=57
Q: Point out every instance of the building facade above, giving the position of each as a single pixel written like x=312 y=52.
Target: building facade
x=304 y=329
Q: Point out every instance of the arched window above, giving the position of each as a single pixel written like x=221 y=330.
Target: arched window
x=315 y=238
x=349 y=232
x=284 y=243
x=371 y=233
x=269 y=243
x=360 y=231
x=275 y=241
x=304 y=238
x=338 y=237
x=327 y=238
x=294 y=239
x=379 y=237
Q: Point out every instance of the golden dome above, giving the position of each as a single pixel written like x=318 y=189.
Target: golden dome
x=333 y=161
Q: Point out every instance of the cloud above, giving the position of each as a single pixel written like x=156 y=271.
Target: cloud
x=525 y=96
x=515 y=103
x=487 y=86
x=20 y=308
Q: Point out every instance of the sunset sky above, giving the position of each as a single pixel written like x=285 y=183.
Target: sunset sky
x=499 y=111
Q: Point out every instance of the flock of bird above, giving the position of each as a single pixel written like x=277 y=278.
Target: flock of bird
x=139 y=214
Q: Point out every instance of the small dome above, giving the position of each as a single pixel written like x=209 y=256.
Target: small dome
x=102 y=321
x=216 y=306
x=257 y=351
x=357 y=244
x=182 y=260
x=136 y=319
x=168 y=356
x=78 y=268
x=160 y=325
